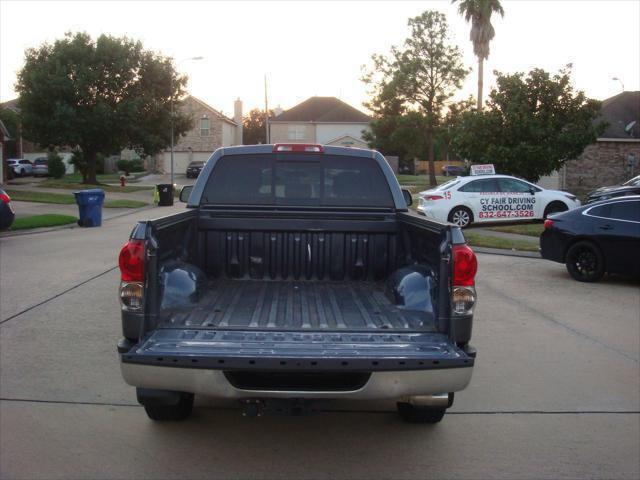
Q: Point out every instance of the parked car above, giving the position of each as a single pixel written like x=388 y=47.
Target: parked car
x=7 y=214
x=453 y=170
x=40 y=167
x=598 y=238
x=492 y=198
x=19 y=166
x=194 y=169
x=297 y=273
x=630 y=187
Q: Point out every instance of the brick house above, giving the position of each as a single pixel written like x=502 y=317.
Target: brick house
x=324 y=120
x=609 y=161
x=4 y=151
x=211 y=130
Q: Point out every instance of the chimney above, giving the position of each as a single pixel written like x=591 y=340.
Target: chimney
x=277 y=111
x=237 y=117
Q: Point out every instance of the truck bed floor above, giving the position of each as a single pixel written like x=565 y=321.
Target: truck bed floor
x=312 y=305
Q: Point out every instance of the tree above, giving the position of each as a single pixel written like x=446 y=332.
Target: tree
x=254 y=127
x=421 y=76
x=482 y=32
x=100 y=96
x=531 y=126
x=11 y=121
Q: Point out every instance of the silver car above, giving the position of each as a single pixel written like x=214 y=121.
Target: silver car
x=40 y=167
x=20 y=166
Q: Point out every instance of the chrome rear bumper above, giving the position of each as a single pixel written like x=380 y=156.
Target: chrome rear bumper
x=381 y=384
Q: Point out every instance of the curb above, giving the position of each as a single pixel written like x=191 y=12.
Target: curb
x=34 y=231
x=507 y=253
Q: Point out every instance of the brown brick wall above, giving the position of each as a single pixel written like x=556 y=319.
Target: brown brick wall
x=193 y=139
x=603 y=163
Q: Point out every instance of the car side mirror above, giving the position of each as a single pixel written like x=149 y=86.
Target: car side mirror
x=185 y=193
x=532 y=191
x=408 y=198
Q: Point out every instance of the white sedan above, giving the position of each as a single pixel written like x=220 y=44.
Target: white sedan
x=492 y=198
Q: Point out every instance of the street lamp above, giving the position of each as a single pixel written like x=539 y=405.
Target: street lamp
x=616 y=79
x=181 y=61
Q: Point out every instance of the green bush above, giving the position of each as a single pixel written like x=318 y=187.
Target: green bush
x=136 y=166
x=124 y=166
x=56 y=166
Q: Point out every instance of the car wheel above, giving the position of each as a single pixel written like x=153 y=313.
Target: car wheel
x=461 y=216
x=180 y=411
x=585 y=262
x=417 y=414
x=555 y=207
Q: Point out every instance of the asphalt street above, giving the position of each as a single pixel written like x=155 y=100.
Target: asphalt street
x=555 y=392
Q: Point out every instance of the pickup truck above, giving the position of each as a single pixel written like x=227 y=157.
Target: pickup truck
x=296 y=275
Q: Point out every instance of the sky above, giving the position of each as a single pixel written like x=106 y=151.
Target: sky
x=308 y=48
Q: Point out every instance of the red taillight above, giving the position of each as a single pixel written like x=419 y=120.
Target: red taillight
x=5 y=198
x=433 y=197
x=131 y=261
x=548 y=223
x=465 y=266
x=298 y=147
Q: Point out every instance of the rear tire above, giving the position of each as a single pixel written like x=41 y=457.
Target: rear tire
x=180 y=411
x=416 y=414
x=585 y=262
x=461 y=216
x=555 y=207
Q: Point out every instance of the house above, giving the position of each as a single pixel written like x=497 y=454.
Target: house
x=211 y=130
x=4 y=151
x=615 y=156
x=323 y=120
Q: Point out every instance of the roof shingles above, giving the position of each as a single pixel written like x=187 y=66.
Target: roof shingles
x=322 y=110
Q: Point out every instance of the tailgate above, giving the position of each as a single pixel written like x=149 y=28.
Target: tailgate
x=289 y=350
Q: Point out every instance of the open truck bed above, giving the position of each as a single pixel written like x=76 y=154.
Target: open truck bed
x=296 y=305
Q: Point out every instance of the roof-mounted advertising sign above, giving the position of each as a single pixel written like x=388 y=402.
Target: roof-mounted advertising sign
x=483 y=169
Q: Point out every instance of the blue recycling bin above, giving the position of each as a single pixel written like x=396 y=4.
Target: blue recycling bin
x=90 y=207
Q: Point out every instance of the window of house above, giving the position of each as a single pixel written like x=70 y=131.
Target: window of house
x=297 y=132
x=204 y=127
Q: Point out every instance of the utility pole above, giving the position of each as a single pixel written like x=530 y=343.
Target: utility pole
x=266 y=111
x=171 y=100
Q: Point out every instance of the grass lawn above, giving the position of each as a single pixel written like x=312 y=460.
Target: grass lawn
x=528 y=229
x=41 y=197
x=418 y=183
x=124 y=204
x=63 y=183
x=67 y=199
x=475 y=239
x=102 y=178
x=39 y=221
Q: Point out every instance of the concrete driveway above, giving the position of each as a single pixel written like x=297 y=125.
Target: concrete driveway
x=555 y=393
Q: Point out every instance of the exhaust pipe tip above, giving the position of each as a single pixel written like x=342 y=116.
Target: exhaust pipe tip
x=438 y=400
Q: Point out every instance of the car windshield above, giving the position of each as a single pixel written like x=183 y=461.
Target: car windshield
x=447 y=185
x=634 y=182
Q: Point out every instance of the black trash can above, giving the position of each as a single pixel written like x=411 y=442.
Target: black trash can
x=165 y=194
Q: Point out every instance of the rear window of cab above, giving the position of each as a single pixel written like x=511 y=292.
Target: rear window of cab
x=297 y=180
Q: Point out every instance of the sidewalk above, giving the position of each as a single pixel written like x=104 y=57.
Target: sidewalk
x=26 y=209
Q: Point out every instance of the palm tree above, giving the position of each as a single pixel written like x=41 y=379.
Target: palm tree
x=482 y=32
